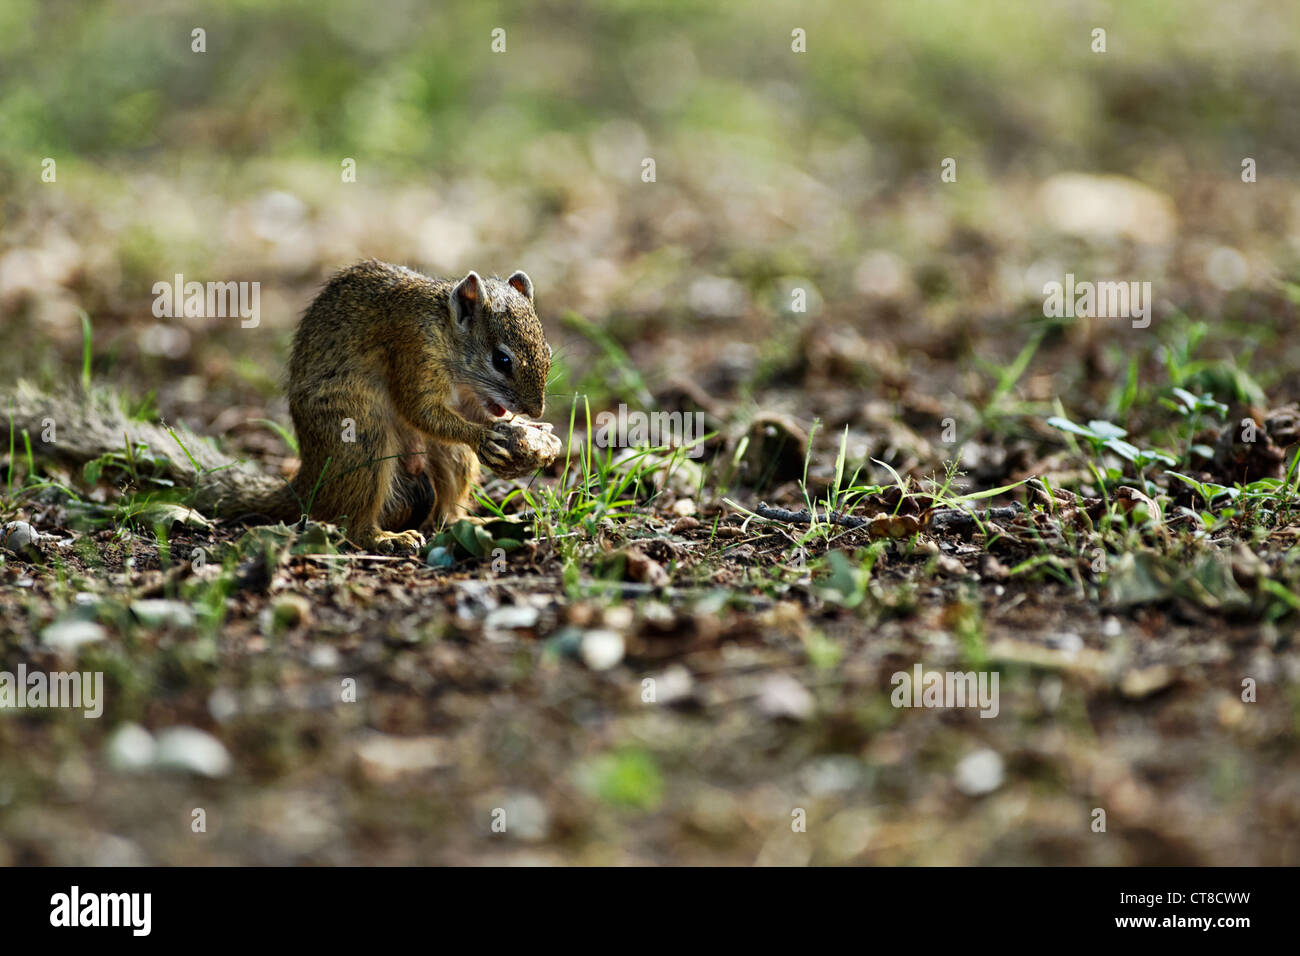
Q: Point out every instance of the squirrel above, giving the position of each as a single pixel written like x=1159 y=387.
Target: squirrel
x=399 y=385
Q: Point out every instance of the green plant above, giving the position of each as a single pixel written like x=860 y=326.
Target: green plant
x=1103 y=436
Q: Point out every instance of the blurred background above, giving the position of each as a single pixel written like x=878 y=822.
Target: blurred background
x=774 y=169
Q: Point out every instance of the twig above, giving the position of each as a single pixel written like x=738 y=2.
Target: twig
x=764 y=510
x=940 y=519
x=357 y=557
x=957 y=519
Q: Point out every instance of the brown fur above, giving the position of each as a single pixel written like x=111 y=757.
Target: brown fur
x=387 y=382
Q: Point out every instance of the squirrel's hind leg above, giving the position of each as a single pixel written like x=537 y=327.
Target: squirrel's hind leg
x=410 y=503
x=452 y=471
x=358 y=482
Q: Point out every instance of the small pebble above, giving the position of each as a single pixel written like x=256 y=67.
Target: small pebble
x=618 y=617
x=1143 y=682
x=71 y=633
x=131 y=747
x=190 y=750
x=601 y=649
x=511 y=617
x=979 y=773
x=17 y=536
x=783 y=696
x=950 y=566
x=323 y=657
x=1067 y=641
x=384 y=758
x=836 y=773
x=159 y=612
x=526 y=817
x=674 y=685
x=440 y=557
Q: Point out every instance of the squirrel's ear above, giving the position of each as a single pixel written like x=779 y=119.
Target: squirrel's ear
x=521 y=284
x=465 y=298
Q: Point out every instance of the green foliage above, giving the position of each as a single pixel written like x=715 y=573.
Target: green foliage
x=468 y=539
x=1106 y=436
x=415 y=85
x=286 y=434
x=628 y=778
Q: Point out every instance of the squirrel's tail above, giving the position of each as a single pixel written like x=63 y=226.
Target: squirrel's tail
x=77 y=426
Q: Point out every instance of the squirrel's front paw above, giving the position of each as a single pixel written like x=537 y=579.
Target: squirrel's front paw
x=527 y=446
x=494 y=449
x=397 y=542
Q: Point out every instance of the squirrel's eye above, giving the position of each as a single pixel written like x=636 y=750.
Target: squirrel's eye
x=501 y=361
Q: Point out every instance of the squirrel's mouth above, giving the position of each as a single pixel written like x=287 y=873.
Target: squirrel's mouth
x=480 y=405
x=494 y=408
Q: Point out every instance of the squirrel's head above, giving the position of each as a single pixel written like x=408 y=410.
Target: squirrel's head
x=507 y=359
